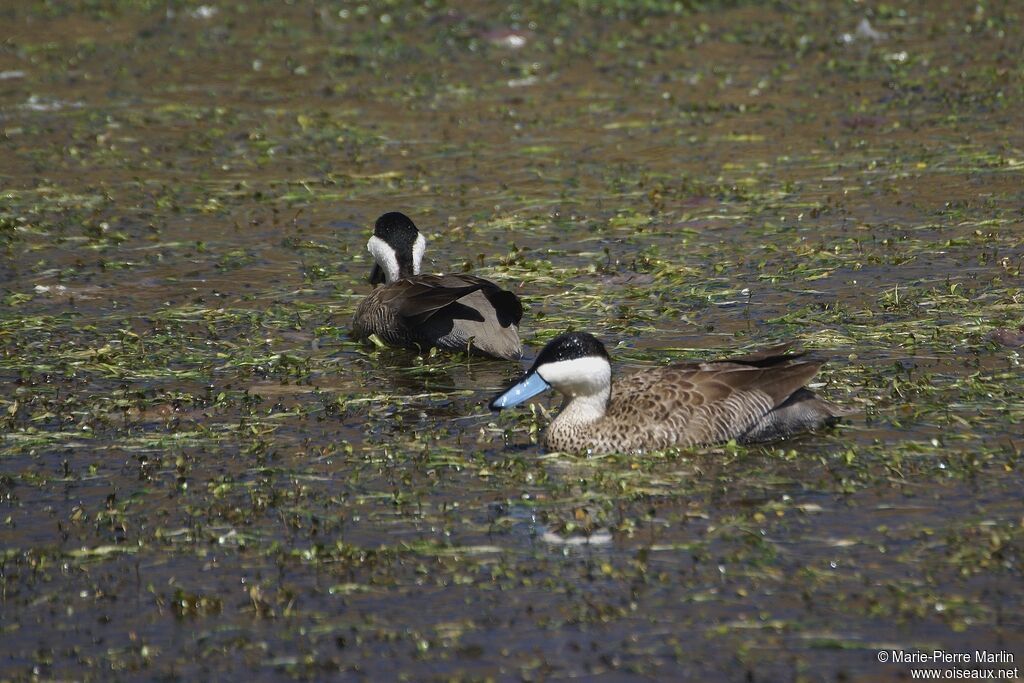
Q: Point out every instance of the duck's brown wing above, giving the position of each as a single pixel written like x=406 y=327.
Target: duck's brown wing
x=420 y=298
x=709 y=402
x=774 y=370
x=776 y=378
x=507 y=306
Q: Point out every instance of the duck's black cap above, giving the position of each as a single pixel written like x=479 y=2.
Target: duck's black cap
x=570 y=346
x=396 y=229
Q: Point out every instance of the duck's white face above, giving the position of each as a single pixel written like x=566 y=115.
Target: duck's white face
x=586 y=376
x=388 y=259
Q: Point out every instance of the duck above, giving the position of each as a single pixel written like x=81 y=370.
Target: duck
x=421 y=311
x=757 y=397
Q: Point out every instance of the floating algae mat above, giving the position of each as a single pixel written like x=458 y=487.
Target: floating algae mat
x=203 y=478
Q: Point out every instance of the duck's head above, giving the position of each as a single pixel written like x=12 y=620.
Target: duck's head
x=574 y=364
x=397 y=248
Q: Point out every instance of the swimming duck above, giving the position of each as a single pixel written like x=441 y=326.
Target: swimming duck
x=750 y=398
x=454 y=312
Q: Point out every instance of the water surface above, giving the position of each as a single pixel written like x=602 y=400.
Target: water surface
x=202 y=477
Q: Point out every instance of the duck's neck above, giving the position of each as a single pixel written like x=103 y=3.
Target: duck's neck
x=583 y=410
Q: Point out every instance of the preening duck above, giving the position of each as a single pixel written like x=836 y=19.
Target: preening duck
x=453 y=312
x=757 y=397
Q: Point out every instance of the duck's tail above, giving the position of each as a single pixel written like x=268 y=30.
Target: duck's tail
x=802 y=411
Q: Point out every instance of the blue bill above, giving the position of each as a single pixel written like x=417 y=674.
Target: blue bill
x=531 y=385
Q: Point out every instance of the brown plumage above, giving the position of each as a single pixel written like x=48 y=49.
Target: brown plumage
x=750 y=398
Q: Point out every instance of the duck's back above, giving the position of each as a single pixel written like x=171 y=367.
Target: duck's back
x=456 y=312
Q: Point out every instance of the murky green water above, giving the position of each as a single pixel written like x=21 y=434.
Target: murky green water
x=202 y=478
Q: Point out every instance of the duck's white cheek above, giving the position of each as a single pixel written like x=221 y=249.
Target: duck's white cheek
x=418 y=247
x=384 y=255
x=576 y=377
